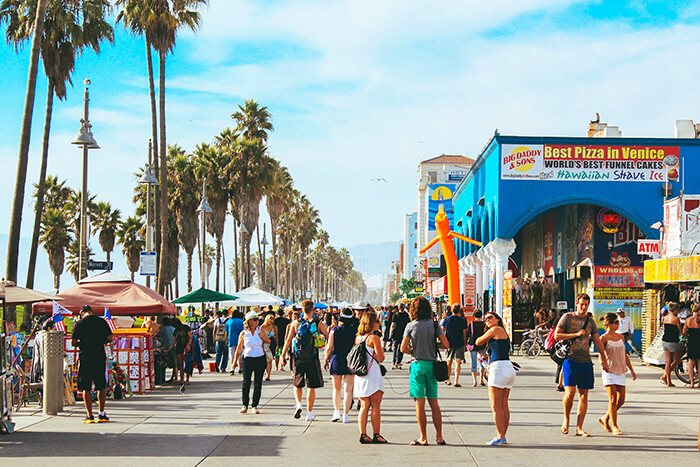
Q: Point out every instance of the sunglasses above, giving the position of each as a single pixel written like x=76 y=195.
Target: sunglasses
x=489 y=318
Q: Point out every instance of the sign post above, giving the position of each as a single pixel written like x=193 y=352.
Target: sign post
x=148 y=263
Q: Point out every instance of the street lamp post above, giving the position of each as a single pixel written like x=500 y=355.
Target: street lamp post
x=264 y=243
x=149 y=180
x=87 y=141
x=203 y=209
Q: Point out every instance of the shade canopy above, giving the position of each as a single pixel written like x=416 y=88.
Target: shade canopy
x=203 y=295
x=16 y=295
x=253 y=296
x=122 y=296
x=320 y=306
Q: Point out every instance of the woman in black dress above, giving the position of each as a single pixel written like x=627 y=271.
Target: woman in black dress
x=692 y=332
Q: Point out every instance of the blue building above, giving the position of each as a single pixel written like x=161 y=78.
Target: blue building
x=563 y=215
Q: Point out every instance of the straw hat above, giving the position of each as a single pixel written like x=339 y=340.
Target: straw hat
x=251 y=315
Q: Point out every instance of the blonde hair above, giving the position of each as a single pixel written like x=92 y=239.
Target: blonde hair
x=269 y=320
x=369 y=318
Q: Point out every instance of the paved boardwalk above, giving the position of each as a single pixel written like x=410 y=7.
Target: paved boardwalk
x=203 y=427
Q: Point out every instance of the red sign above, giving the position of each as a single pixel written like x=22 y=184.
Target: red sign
x=612 y=276
x=469 y=290
x=438 y=287
x=648 y=247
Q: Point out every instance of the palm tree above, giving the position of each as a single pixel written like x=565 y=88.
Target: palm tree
x=161 y=26
x=248 y=173
x=55 y=238
x=211 y=163
x=69 y=27
x=209 y=257
x=73 y=260
x=128 y=236
x=252 y=121
x=185 y=197
x=107 y=221
x=56 y=194
x=278 y=196
x=10 y=16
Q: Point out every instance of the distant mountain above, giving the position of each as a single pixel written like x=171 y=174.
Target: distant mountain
x=374 y=259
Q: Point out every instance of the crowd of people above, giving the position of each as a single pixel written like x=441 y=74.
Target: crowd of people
x=355 y=342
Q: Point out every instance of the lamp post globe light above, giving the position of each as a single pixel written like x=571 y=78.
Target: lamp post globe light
x=87 y=141
x=148 y=179
x=203 y=208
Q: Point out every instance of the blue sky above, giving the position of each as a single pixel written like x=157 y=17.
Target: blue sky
x=364 y=89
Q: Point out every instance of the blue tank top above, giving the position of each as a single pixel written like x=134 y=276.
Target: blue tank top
x=343 y=340
x=500 y=349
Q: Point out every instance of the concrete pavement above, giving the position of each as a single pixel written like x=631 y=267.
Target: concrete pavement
x=203 y=427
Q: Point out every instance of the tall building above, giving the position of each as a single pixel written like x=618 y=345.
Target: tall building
x=410 y=245
x=437 y=179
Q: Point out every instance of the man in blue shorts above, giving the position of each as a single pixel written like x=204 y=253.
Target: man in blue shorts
x=580 y=328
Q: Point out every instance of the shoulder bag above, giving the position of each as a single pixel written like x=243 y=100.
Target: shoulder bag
x=439 y=365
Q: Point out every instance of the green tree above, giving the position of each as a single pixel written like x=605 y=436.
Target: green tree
x=55 y=238
x=129 y=237
x=185 y=197
x=107 y=220
x=11 y=17
x=252 y=121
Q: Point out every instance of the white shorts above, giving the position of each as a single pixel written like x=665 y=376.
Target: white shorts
x=610 y=379
x=501 y=374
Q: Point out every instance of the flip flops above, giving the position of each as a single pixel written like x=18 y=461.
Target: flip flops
x=418 y=443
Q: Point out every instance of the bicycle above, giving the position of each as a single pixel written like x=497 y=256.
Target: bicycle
x=533 y=343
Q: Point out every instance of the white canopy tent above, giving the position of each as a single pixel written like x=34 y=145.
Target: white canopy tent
x=253 y=296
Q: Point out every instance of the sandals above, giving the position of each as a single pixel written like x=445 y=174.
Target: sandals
x=448 y=382
x=379 y=439
x=457 y=385
x=364 y=439
x=582 y=433
x=605 y=424
x=441 y=443
x=418 y=443
x=564 y=430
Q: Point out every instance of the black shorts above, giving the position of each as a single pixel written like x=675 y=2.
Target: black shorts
x=308 y=373
x=92 y=371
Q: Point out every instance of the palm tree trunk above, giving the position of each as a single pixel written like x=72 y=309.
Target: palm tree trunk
x=189 y=271
x=39 y=208
x=223 y=261
x=154 y=137
x=235 y=254
x=21 y=179
x=56 y=281
x=261 y=271
x=274 y=254
x=218 y=261
x=162 y=264
x=201 y=260
x=177 y=286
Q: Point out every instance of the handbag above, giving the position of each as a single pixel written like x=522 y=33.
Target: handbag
x=439 y=366
x=562 y=348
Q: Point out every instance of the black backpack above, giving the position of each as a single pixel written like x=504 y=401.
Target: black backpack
x=357 y=359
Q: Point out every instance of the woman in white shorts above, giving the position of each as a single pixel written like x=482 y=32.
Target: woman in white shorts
x=618 y=363
x=501 y=374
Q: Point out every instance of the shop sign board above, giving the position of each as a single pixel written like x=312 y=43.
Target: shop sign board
x=680 y=269
x=563 y=305
x=612 y=293
x=612 y=276
x=148 y=263
x=648 y=247
x=508 y=321
x=508 y=288
x=470 y=290
x=681 y=226
x=438 y=287
x=585 y=162
x=440 y=195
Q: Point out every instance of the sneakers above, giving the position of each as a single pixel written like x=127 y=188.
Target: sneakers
x=336 y=416
x=244 y=409
x=297 y=412
x=346 y=419
x=497 y=441
x=309 y=417
x=89 y=419
x=255 y=411
x=102 y=418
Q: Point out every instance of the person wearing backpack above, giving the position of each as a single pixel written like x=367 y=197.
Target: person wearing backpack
x=578 y=328
x=306 y=367
x=475 y=330
x=221 y=342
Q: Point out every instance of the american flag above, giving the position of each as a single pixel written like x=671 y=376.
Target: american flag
x=108 y=318
x=57 y=317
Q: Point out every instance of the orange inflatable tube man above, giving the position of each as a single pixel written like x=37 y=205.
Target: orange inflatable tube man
x=445 y=236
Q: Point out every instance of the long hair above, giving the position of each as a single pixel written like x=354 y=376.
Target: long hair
x=369 y=318
x=269 y=319
x=608 y=318
x=498 y=318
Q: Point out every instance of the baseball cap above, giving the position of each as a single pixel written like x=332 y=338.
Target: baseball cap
x=620 y=310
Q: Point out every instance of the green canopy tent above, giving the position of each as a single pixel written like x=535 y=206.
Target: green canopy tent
x=203 y=295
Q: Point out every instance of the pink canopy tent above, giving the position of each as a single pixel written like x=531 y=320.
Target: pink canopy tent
x=122 y=296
